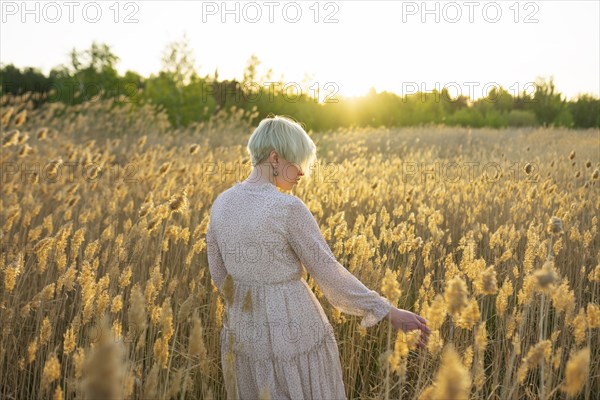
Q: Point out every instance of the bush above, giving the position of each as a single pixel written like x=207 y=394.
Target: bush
x=466 y=117
x=495 y=119
x=564 y=118
x=522 y=118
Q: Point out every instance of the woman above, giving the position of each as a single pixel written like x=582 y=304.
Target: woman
x=276 y=338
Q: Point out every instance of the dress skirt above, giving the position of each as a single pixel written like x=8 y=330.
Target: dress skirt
x=276 y=339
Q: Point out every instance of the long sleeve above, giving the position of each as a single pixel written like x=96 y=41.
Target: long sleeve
x=343 y=290
x=216 y=265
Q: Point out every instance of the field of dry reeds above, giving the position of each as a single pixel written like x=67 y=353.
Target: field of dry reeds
x=105 y=292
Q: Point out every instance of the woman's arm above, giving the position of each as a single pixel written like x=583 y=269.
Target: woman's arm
x=216 y=265
x=343 y=290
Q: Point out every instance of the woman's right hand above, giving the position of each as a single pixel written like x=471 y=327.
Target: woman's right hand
x=408 y=321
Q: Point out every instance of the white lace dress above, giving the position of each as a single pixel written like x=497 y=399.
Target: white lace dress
x=275 y=334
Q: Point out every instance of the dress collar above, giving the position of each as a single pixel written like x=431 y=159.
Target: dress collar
x=256 y=187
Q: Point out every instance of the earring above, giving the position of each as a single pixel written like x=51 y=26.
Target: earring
x=275 y=173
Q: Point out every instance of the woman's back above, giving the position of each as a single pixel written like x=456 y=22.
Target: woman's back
x=276 y=334
x=249 y=222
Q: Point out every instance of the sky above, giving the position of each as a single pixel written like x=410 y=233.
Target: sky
x=341 y=47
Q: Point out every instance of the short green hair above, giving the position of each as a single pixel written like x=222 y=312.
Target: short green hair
x=287 y=138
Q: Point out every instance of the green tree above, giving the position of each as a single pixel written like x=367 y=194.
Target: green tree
x=249 y=86
x=250 y=69
x=585 y=111
x=547 y=103
x=178 y=62
x=16 y=82
x=453 y=104
x=178 y=87
x=94 y=70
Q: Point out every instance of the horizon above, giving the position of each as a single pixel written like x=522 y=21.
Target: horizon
x=531 y=49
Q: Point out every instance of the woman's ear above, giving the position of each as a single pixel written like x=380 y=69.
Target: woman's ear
x=274 y=156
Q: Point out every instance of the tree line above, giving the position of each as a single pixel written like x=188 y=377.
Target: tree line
x=188 y=97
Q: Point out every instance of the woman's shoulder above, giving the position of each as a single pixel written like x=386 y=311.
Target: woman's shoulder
x=290 y=199
x=297 y=209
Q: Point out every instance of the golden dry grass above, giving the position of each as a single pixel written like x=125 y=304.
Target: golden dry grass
x=106 y=292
